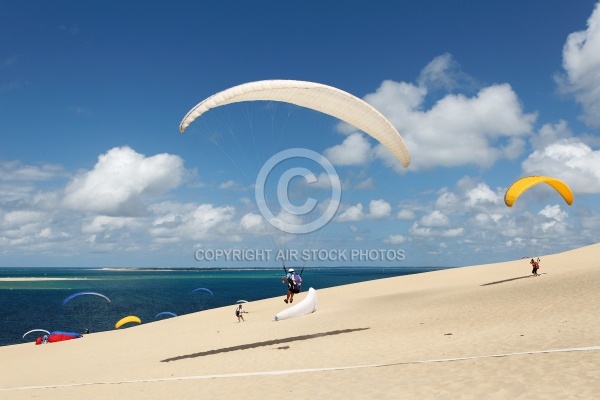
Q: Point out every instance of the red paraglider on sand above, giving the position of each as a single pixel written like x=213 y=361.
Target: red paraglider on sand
x=57 y=336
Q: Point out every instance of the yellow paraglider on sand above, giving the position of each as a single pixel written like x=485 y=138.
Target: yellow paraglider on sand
x=126 y=320
x=316 y=96
x=521 y=185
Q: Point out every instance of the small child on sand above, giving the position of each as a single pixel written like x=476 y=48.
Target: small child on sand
x=239 y=313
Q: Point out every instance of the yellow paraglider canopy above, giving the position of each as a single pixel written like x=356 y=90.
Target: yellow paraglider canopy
x=126 y=320
x=521 y=185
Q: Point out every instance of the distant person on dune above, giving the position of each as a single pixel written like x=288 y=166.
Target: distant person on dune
x=536 y=265
x=239 y=313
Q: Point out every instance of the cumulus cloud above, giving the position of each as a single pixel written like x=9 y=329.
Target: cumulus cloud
x=406 y=214
x=435 y=219
x=395 y=239
x=253 y=223
x=417 y=230
x=120 y=180
x=20 y=218
x=354 y=150
x=352 y=213
x=554 y=212
x=482 y=194
x=378 y=209
x=181 y=222
x=581 y=63
x=457 y=129
x=570 y=160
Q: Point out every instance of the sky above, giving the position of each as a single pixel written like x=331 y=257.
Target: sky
x=94 y=171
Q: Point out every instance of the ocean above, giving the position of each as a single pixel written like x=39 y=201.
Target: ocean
x=28 y=303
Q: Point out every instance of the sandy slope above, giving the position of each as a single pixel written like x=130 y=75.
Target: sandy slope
x=391 y=338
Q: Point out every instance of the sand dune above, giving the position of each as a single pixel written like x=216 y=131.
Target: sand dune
x=490 y=331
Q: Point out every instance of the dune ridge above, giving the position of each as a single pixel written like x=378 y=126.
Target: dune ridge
x=488 y=331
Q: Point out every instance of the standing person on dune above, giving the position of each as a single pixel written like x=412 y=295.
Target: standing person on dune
x=294 y=282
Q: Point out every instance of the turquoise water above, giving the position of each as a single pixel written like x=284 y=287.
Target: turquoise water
x=37 y=304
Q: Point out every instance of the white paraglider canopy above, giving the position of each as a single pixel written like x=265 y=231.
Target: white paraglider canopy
x=316 y=96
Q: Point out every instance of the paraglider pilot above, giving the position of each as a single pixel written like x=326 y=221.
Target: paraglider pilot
x=293 y=280
x=535 y=265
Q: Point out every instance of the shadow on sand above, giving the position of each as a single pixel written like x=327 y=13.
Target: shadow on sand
x=265 y=343
x=511 y=279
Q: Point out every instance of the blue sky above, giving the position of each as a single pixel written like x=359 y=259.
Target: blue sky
x=94 y=171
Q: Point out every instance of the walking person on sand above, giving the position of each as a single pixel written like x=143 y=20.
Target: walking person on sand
x=535 y=265
x=239 y=313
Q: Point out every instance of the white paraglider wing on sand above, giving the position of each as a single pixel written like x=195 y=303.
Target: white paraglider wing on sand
x=306 y=306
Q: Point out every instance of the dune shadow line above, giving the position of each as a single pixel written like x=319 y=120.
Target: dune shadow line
x=261 y=344
x=508 y=280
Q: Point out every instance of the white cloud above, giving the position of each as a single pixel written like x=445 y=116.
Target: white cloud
x=405 y=214
x=443 y=72
x=455 y=232
x=379 y=209
x=416 y=230
x=447 y=200
x=570 y=160
x=120 y=180
x=352 y=213
x=395 y=239
x=554 y=212
x=103 y=223
x=354 y=150
x=482 y=194
x=182 y=222
x=21 y=218
x=253 y=223
x=581 y=62
x=457 y=130
x=435 y=219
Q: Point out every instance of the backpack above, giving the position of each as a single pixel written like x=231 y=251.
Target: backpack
x=296 y=282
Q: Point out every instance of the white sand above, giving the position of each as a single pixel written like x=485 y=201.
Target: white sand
x=397 y=338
